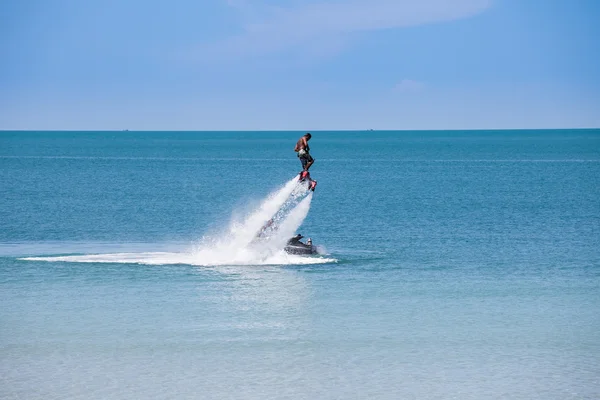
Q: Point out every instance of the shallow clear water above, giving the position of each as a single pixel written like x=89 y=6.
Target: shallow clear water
x=459 y=265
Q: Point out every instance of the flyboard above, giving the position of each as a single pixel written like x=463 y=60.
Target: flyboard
x=304 y=176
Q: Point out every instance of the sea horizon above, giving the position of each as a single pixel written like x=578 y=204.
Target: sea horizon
x=306 y=130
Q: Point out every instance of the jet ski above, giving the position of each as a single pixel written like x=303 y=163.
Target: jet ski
x=295 y=246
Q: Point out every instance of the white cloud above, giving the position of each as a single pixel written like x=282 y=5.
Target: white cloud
x=270 y=29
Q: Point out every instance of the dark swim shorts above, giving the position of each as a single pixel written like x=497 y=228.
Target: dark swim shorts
x=305 y=159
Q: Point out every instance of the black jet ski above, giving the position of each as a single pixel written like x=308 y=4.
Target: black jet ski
x=295 y=246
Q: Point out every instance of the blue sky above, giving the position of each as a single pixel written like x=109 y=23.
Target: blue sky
x=299 y=64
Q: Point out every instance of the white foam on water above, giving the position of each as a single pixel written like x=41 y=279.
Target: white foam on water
x=164 y=258
x=246 y=244
x=242 y=233
x=288 y=225
x=241 y=244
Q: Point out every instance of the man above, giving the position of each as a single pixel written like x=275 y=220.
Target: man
x=302 y=149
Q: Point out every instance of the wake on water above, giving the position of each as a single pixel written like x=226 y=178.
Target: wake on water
x=259 y=239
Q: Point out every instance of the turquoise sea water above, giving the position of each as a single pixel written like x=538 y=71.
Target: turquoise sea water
x=455 y=265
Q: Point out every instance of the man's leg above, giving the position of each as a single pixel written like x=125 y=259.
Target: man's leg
x=303 y=162
x=309 y=163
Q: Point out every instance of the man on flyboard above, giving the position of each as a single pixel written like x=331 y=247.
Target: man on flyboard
x=302 y=149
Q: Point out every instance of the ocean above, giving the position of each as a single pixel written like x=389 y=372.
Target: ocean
x=451 y=265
